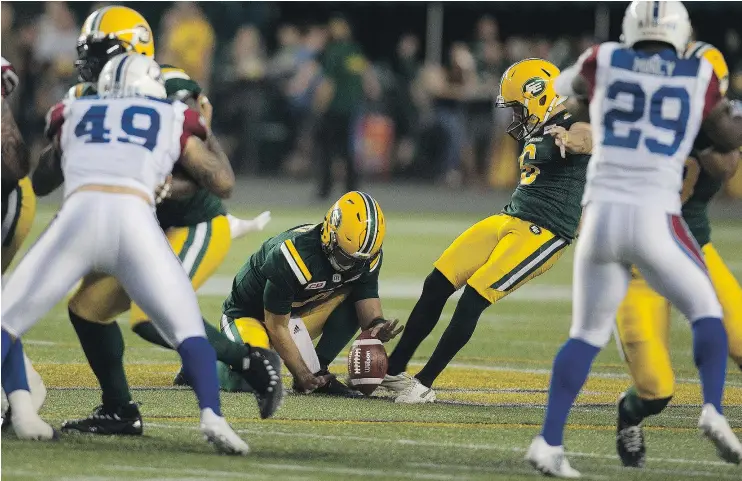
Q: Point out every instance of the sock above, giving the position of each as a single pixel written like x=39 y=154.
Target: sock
x=199 y=366
x=710 y=350
x=14 y=367
x=103 y=346
x=569 y=373
x=341 y=327
x=147 y=331
x=635 y=409
x=457 y=334
x=423 y=318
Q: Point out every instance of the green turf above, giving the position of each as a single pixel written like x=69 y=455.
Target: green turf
x=492 y=398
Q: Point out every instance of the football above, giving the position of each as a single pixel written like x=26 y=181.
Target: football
x=367 y=363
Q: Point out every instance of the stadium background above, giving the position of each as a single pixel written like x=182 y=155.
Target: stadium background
x=251 y=58
x=491 y=398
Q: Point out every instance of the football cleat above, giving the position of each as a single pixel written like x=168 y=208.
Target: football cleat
x=550 y=460
x=716 y=428
x=217 y=432
x=124 y=420
x=241 y=227
x=629 y=440
x=180 y=379
x=408 y=389
x=264 y=376
x=26 y=422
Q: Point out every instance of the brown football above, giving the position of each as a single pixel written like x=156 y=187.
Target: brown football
x=367 y=363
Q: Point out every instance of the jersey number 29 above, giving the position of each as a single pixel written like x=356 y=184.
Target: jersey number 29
x=656 y=112
x=140 y=125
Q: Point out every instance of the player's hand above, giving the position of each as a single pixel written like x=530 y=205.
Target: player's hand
x=386 y=331
x=205 y=109
x=262 y=220
x=561 y=137
x=311 y=382
x=163 y=191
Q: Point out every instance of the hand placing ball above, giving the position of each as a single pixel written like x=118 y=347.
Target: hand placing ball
x=367 y=363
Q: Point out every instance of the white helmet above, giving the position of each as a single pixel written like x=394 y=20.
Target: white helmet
x=131 y=74
x=665 y=21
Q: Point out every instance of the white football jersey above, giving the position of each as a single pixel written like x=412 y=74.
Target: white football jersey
x=121 y=141
x=645 y=113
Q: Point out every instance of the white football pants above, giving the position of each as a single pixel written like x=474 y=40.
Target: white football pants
x=114 y=234
x=613 y=237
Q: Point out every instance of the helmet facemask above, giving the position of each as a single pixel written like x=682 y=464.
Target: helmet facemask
x=94 y=51
x=523 y=124
x=340 y=260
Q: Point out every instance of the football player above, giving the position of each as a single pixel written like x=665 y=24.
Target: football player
x=643 y=320
x=309 y=281
x=501 y=253
x=647 y=104
x=114 y=150
x=194 y=221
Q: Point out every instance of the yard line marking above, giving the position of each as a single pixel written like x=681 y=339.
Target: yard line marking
x=412 y=442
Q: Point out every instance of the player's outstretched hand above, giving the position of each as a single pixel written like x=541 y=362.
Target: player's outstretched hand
x=205 y=109
x=561 y=137
x=386 y=331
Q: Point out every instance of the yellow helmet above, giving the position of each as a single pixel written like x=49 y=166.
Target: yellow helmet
x=715 y=58
x=353 y=231
x=110 y=31
x=527 y=87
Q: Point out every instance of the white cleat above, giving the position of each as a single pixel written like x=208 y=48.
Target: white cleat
x=408 y=389
x=241 y=227
x=550 y=460
x=26 y=422
x=716 y=428
x=220 y=434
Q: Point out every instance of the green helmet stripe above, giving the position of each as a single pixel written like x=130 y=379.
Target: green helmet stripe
x=372 y=230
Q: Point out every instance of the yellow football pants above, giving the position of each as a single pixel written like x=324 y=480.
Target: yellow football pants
x=253 y=332
x=201 y=248
x=499 y=254
x=643 y=322
x=22 y=219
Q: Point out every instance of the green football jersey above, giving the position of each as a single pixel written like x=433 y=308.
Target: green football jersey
x=203 y=205
x=290 y=272
x=551 y=187
x=695 y=209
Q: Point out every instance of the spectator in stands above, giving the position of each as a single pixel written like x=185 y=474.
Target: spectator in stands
x=487 y=33
x=284 y=61
x=407 y=65
x=347 y=79
x=188 y=42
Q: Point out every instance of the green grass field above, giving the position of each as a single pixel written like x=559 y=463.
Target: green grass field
x=491 y=398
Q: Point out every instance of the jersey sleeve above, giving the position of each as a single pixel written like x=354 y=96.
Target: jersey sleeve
x=287 y=273
x=367 y=287
x=193 y=124
x=178 y=84
x=713 y=95
x=585 y=67
x=55 y=120
x=10 y=79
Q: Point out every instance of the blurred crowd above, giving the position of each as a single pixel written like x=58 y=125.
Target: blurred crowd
x=315 y=97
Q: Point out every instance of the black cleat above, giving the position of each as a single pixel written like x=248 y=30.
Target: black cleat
x=125 y=420
x=180 y=379
x=629 y=440
x=333 y=388
x=263 y=374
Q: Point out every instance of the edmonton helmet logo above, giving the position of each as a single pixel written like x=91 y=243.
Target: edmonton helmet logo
x=336 y=217
x=534 y=87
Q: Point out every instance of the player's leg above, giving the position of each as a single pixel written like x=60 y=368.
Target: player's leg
x=20 y=221
x=642 y=328
x=154 y=278
x=241 y=227
x=672 y=263
x=600 y=282
x=31 y=292
x=524 y=251
x=201 y=249
x=729 y=293
x=453 y=268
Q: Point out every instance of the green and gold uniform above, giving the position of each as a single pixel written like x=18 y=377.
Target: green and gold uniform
x=18 y=211
x=499 y=254
x=197 y=229
x=290 y=274
x=643 y=319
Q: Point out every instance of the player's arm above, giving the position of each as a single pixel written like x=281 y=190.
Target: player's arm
x=16 y=162
x=578 y=139
x=722 y=122
x=48 y=175
x=577 y=82
x=203 y=158
x=365 y=295
x=720 y=166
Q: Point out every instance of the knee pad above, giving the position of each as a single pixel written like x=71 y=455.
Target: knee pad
x=251 y=331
